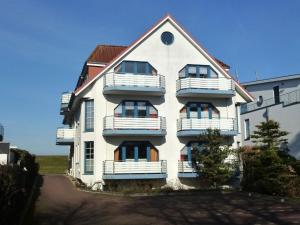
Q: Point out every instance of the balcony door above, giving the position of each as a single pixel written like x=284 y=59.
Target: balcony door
x=135 y=109
x=198 y=110
x=189 y=151
x=136 y=151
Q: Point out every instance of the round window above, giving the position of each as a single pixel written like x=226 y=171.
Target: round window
x=167 y=38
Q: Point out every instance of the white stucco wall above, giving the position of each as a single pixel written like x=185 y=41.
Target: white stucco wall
x=168 y=61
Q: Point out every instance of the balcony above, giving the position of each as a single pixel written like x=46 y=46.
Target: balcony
x=205 y=87
x=65 y=99
x=129 y=126
x=186 y=170
x=134 y=170
x=116 y=83
x=286 y=99
x=195 y=127
x=65 y=136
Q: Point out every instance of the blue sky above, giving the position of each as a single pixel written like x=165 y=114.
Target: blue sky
x=43 y=45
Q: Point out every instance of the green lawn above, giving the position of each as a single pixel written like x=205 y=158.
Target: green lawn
x=52 y=164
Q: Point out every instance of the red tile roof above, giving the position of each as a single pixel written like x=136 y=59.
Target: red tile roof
x=105 y=53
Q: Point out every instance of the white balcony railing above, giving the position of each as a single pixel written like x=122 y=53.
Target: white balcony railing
x=223 y=124
x=118 y=123
x=144 y=167
x=185 y=167
x=134 y=80
x=65 y=134
x=65 y=99
x=222 y=84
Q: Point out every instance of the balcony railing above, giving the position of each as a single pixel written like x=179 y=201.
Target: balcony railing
x=114 y=126
x=65 y=136
x=115 y=83
x=286 y=99
x=134 y=170
x=185 y=167
x=65 y=99
x=195 y=126
x=219 y=87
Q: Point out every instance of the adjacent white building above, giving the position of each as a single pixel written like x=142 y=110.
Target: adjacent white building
x=137 y=110
x=277 y=98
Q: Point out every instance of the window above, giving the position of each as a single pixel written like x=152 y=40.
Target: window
x=89 y=115
x=129 y=109
x=276 y=95
x=142 y=109
x=167 y=38
x=89 y=157
x=247 y=129
x=136 y=151
x=199 y=110
x=199 y=71
x=188 y=152
x=135 y=67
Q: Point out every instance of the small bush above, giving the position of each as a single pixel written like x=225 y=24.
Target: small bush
x=15 y=186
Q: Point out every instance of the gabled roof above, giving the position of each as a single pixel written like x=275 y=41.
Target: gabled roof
x=272 y=79
x=214 y=61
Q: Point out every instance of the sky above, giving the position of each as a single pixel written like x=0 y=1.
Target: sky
x=43 y=45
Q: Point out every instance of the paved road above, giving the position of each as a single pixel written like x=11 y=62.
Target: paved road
x=59 y=203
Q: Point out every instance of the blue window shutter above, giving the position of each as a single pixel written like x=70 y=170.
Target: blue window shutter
x=208 y=72
x=123 y=149
x=189 y=153
x=188 y=112
x=186 y=71
x=123 y=67
x=135 y=67
x=197 y=71
x=123 y=109
x=210 y=112
x=199 y=111
x=148 y=153
x=135 y=109
x=148 y=69
x=136 y=153
x=148 y=109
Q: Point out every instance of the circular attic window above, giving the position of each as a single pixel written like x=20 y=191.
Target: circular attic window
x=167 y=38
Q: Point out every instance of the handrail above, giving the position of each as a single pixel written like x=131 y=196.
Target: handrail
x=285 y=99
x=208 y=83
x=112 y=81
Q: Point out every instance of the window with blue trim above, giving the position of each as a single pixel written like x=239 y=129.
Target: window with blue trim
x=137 y=109
x=199 y=110
x=188 y=152
x=89 y=157
x=197 y=71
x=247 y=129
x=89 y=115
x=135 y=67
x=136 y=151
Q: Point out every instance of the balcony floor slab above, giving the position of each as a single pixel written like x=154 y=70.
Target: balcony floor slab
x=132 y=90
x=188 y=175
x=134 y=176
x=132 y=132
x=195 y=133
x=199 y=92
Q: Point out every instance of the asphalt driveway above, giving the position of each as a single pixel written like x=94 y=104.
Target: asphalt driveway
x=60 y=203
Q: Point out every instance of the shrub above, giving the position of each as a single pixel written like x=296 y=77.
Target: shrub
x=15 y=185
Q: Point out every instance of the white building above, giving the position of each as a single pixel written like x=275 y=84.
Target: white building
x=277 y=98
x=137 y=110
